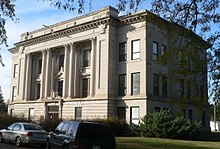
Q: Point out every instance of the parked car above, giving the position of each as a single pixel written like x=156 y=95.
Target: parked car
x=24 y=133
x=81 y=135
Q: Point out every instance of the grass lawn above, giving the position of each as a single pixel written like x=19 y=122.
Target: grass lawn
x=211 y=141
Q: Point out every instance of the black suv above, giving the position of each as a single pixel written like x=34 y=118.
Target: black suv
x=81 y=135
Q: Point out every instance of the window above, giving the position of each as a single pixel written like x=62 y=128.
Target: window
x=156 y=84
x=135 y=49
x=61 y=61
x=121 y=112
x=164 y=86
x=17 y=127
x=78 y=113
x=122 y=88
x=135 y=80
x=14 y=93
x=15 y=71
x=86 y=58
x=60 y=88
x=190 y=115
x=155 y=51
x=39 y=66
x=163 y=49
x=181 y=88
x=85 y=87
x=156 y=109
x=30 y=114
x=134 y=115
x=122 y=52
x=65 y=128
x=38 y=90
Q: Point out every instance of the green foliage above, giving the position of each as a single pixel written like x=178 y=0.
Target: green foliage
x=119 y=126
x=49 y=125
x=166 y=125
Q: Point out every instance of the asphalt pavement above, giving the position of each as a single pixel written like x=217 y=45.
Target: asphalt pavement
x=12 y=146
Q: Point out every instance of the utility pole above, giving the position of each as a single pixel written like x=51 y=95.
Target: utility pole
x=215 y=115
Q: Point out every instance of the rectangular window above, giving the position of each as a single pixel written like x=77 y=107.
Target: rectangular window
x=60 y=88
x=31 y=114
x=135 y=49
x=87 y=58
x=121 y=112
x=122 y=85
x=155 y=51
x=78 y=113
x=190 y=115
x=39 y=66
x=164 y=86
x=181 y=88
x=14 y=93
x=156 y=109
x=163 y=49
x=38 y=90
x=156 y=84
x=85 y=87
x=135 y=80
x=134 y=115
x=122 y=52
x=15 y=71
x=61 y=61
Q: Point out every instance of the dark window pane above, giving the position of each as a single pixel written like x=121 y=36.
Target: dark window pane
x=60 y=88
x=156 y=109
x=164 y=86
x=61 y=61
x=190 y=115
x=38 y=90
x=85 y=87
x=135 y=83
x=78 y=112
x=87 y=58
x=122 y=85
x=39 y=66
x=122 y=52
x=155 y=51
x=181 y=88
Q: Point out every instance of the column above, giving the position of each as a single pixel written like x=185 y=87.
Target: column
x=48 y=73
x=42 y=87
x=76 y=74
x=92 y=77
x=27 y=77
x=71 y=70
x=65 y=76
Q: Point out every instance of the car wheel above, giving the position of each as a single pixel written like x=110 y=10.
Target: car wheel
x=1 y=138
x=47 y=146
x=18 y=141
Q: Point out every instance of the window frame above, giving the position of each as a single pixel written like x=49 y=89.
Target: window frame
x=78 y=116
x=122 y=52
x=85 y=88
x=156 y=84
x=14 y=93
x=87 y=58
x=135 y=86
x=132 y=119
x=16 y=69
x=138 y=52
x=155 y=55
x=122 y=88
x=164 y=86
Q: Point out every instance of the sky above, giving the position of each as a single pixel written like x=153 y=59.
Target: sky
x=32 y=15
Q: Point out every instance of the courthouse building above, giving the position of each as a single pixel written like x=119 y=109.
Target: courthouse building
x=101 y=65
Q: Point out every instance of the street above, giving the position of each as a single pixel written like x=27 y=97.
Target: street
x=12 y=146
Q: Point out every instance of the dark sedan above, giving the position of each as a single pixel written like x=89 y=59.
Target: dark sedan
x=24 y=133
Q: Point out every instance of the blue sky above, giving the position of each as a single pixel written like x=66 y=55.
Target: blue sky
x=32 y=15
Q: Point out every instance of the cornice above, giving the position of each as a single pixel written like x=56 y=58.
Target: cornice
x=13 y=50
x=64 y=32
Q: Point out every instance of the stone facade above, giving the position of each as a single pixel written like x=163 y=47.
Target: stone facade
x=97 y=66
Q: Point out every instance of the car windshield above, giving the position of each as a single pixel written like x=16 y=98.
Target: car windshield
x=32 y=127
x=94 y=131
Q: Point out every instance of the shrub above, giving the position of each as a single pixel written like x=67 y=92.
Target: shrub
x=166 y=125
x=119 y=126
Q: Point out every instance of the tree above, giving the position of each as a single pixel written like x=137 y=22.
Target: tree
x=2 y=104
